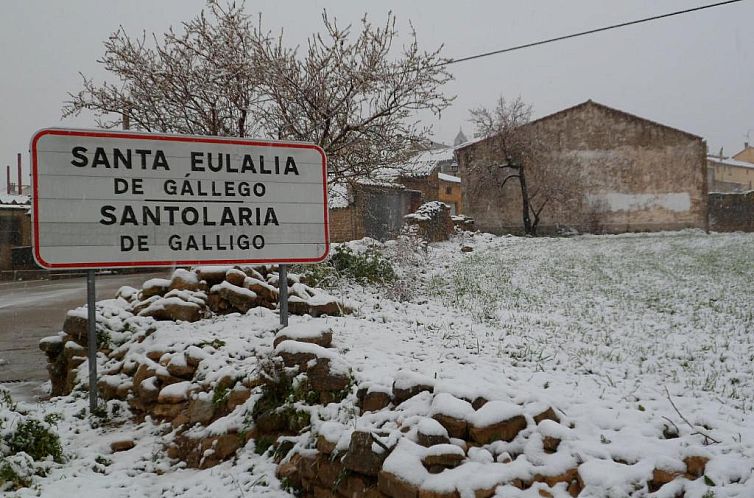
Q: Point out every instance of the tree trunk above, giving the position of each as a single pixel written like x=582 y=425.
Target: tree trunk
x=528 y=229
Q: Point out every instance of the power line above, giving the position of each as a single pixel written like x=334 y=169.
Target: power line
x=589 y=32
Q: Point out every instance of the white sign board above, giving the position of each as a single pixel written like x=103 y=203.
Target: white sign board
x=106 y=199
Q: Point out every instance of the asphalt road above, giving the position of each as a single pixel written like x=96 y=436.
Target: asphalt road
x=32 y=310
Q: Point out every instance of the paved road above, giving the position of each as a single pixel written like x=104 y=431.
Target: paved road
x=32 y=310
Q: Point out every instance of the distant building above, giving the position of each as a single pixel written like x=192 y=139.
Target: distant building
x=746 y=155
x=460 y=138
x=729 y=175
x=637 y=175
x=15 y=232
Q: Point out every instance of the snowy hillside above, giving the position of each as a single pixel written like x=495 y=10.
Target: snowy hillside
x=594 y=365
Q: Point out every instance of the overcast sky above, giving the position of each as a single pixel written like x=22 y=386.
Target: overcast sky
x=694 y=72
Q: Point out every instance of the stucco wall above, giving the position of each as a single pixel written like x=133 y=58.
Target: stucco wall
x=15 y=231
x=634 y=175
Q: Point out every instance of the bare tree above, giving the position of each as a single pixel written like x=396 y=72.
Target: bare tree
x=354 y=93
x=512 y=149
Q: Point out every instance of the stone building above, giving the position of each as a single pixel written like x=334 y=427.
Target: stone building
x=15 y=233
x=376 y=208
x=632 y=174
x=729 y=175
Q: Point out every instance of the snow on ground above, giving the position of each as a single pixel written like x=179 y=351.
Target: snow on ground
x=626 y=336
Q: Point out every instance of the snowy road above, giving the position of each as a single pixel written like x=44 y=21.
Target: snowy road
x=32 y=310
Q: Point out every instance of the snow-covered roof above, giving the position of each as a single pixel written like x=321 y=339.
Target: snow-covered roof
x=448 y=178
x=14 y=200
x=726 y=161
x=421 y=165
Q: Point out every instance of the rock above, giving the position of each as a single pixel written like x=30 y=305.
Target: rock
x=395 y=487
x=322 y=378
x=660 y=477
x=122 y=445
x=429 y=493
x=154 y=287
x=497 y=420
x=147 y=390
x=200 y=410
x=550 y=444
x=374 y=401
x=173 y=309
x=354 y=485
x=307 y=332
x=235 y=277
x=479 y=402
x=52 y=346
x=325 y=446
x=467 y=248
x=329 y=471
x=184 y=280
x=265 y=291
x=408 y=384
x=288 y=473
x=174 y=393
x=444 y=455
x=240 y=298
x=548 y=414
x=433 y=221
x=505 y=430
x=167 y=410
x=237 y=396
x=178 y=366
x=430 y=433
x=360 y=456
x=456 y=427
x=270 y=422
x=570 y=476
x=77 y=327
x=321 y=305
x=212 y=274
x=695 y=466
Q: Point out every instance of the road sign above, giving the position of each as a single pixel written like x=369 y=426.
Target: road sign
x=105 y=199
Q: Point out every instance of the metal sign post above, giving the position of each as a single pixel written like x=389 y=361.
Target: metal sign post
x=283 y=294
x=92 y=339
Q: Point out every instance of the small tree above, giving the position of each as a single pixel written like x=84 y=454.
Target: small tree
x=512 y=149
x=356 y=96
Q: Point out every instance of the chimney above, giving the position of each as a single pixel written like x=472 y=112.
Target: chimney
x=7 y=179
x=20 y=178
x=746 y=145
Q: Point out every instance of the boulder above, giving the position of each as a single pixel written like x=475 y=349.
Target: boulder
x=122 y=445
x=408 y=384
x=200 y=410
x=213 y=275
x=395 y=487
x=184 y=280
x=235 y=277
x=240 y=298
x=497 y=420
x=154 y=287
x=430 y=433
x=373 y=401
x=309 y=332
x=361 y=456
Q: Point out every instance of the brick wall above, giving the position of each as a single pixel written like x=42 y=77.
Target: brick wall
x=345 y=224
x=731 y=212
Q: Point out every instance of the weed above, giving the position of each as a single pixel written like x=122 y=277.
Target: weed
x=37 y=440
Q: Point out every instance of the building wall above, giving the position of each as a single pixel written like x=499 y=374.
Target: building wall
x=729 y=178
x=377 y=212
x=450 y=193
x=15 y=231
x=429 y=186
x=634 y=175
x=731 y=212
x=745 y=155
x=345 y=224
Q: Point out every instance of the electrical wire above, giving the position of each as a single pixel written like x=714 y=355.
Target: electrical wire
x=589 y=32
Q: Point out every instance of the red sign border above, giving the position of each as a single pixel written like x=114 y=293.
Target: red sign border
x=167 y=138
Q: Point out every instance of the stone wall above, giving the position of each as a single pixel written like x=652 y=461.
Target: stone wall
x=634 y=175
x=15 y=231
x=429 y=186
x=731 y=212
x=377 y=212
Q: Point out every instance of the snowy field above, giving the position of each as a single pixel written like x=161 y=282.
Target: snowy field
x=630 y=337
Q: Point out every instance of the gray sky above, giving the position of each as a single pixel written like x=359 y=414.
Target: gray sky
x=694 y=72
